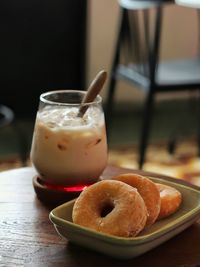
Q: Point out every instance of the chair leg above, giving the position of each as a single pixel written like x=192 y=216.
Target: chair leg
x=198 y=143
x=148 y=112
x=112 y=85
x=109 y=104
x=172 y=146
x=153 y=61
x=198 y=133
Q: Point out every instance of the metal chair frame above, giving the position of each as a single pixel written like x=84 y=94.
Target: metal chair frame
x=146 y=74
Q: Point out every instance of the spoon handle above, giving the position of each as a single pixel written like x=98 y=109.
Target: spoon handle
x=93 y=90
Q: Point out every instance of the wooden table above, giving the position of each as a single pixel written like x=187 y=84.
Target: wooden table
x=28 y=238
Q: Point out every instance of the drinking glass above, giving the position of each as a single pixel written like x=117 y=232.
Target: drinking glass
x=69 y=151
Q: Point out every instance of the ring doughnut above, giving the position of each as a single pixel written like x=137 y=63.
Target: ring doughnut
x=147 y=189
x=111 y=207
x=170 y=200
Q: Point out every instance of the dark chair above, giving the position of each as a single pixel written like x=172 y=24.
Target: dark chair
x=136 y=60
x=6 y=115
x=7 y=118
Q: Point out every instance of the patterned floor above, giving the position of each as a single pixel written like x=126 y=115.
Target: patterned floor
x=184 y=164
x=10 y=162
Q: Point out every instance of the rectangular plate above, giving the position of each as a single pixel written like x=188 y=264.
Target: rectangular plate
x=125 y=248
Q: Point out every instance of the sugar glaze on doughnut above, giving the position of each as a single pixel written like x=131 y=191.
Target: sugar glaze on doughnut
x=111 y=207
x=171 y=200
x=148 y=191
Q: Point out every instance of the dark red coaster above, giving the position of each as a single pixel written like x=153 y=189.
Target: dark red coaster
x=50 y=195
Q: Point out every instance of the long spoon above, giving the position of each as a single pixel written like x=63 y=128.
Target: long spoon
x=93 y=90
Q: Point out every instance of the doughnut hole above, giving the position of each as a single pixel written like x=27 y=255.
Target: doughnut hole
x=106 y=208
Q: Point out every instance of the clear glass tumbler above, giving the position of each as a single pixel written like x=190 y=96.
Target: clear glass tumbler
x=69 y=151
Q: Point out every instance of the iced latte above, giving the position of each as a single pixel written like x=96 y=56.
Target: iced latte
x=68 y=150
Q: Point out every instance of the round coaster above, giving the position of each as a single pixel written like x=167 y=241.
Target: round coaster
x=50 y=195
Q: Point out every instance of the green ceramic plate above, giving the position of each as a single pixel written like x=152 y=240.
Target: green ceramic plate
x=126 y=248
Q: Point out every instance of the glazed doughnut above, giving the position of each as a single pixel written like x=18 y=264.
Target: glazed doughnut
x=170 y=200
x=111 y=207
x=147 y=189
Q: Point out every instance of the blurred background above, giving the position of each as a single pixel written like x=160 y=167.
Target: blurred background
x=49 y=45
x=178 y=41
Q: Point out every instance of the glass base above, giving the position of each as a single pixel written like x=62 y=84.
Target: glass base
x=55 y=195
x=72 y=189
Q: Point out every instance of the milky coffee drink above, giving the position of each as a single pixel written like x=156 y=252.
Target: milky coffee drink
x=68 y=150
